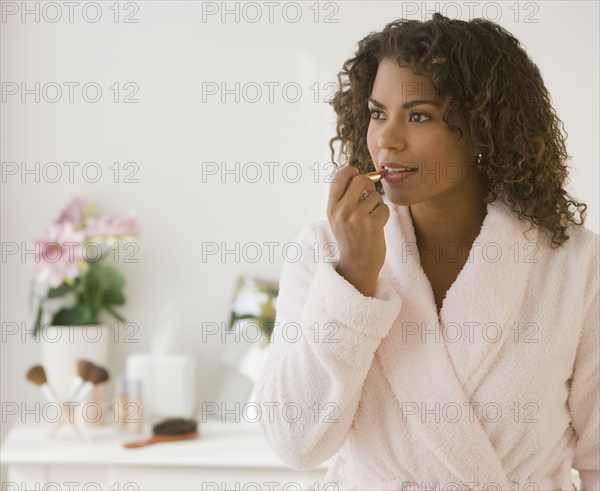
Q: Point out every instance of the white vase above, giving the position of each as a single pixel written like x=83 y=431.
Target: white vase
x=63 y=346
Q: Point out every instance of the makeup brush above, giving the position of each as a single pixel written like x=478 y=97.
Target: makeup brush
x=92 y=375
x=63 y=419
x=169 y=430
x=37 y=375
x=83 y=367
x=375 y=175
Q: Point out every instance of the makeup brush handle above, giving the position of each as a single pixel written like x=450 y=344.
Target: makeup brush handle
x=83 y=392
x=48 y=394
x=64 y=419
x=55 y=428
x=75 y=387
x=80 y=433
x=83 y=436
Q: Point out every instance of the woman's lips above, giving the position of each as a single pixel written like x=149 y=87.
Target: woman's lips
x=398 y=176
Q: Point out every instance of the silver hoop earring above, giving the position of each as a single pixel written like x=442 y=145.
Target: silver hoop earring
x=478 y=159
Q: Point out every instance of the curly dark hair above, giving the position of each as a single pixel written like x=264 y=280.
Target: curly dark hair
x=484 y=76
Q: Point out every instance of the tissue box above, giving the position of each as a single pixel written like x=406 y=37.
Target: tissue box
x=168 y=384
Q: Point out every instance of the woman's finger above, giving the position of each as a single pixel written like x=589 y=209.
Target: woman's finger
x=340 y=182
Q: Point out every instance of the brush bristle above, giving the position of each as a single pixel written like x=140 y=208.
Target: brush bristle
x=96 y=375
x=37 y=375
x=175 y=426
x=84 y=367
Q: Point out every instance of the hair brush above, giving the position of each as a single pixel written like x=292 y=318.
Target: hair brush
x=169 y=430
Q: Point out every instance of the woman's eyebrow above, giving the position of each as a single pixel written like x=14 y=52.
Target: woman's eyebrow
x=406 y=105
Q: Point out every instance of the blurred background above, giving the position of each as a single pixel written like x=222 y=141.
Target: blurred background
x=208 y=123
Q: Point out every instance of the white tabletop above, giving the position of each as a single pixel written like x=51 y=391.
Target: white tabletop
x=219 y=445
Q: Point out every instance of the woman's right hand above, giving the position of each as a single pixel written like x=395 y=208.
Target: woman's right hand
x=357 y=224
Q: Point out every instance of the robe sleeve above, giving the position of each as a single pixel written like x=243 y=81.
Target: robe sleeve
x=584 y=401
x=322 y=347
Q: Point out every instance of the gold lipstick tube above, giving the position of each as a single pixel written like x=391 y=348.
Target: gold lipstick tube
x=374 y=176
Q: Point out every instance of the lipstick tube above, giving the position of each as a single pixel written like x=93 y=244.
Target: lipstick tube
x=375 y=175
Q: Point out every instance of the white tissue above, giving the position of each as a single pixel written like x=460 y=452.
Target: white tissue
x=167 y=378
x=163 y=340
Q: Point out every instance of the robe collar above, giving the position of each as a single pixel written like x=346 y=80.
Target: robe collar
x=421 y=365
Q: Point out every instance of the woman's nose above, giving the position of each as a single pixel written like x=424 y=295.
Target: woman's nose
x=391 y=135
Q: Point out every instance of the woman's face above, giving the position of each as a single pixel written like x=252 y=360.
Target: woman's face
x=403 y=131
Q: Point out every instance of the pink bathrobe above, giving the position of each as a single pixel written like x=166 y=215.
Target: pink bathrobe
x=501 y=391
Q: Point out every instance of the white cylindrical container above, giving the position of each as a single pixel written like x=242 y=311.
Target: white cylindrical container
x=62 y=346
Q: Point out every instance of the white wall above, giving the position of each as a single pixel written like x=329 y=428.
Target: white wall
x=171 y=131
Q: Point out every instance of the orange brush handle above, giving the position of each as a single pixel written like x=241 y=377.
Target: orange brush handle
x=162 y=438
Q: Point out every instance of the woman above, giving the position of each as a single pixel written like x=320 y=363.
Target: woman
x=451 y=342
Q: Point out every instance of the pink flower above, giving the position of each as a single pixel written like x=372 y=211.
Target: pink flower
x=59 y=254
x=74 y=213
x=110 y=227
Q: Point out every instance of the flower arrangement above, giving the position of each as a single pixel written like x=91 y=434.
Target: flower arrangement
x=255 y=300
x=74 y=283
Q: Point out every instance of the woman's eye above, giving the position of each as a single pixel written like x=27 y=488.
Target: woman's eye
x=374 y=112
x=419 y=115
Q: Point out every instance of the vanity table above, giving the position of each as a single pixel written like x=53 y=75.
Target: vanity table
x=227 y=456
